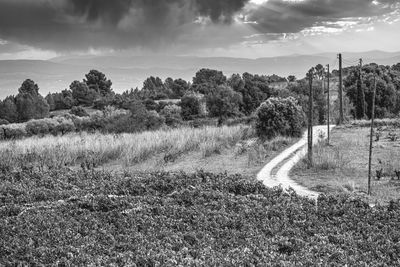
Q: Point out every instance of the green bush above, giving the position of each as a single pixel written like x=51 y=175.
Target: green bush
x=279 y=116
x=37 y=127
x=15 y=131
x=2 y=133
x=64 y=126
x=78 y=111
x=172 y=115
x=191 y=106
x=4 y=122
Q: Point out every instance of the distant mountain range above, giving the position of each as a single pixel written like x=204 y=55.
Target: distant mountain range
x=130 y=71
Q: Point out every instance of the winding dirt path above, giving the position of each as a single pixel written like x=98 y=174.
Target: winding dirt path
x=276 y=172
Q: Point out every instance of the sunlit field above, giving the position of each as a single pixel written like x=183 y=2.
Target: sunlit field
x=342 y=167
x=96 y=149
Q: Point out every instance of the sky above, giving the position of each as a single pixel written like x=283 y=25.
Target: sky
x=42 y=29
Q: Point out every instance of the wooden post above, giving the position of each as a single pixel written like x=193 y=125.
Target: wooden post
x=329 y=109
x=371 y=137
x=310 y=120
x=341 y=117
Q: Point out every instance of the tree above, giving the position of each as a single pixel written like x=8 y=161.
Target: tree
x=206 y=80
x=223 y=102
x=62 y=100
x=279 y=116
x=50 y=100
x=29 y=87
x=8 y=109
x=396 y=67
x=78 y=111
x=387 y=93
x=142 y=119
x=291 y=78
x=178 y=87
x=98 y=82
x=30 y=104
x=82 y=94
x=253 y=88
x=154 y=88
x=172 y=115
x=319 y=71
x=191 y=106
x=208 y=76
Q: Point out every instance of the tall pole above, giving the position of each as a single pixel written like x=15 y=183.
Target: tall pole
x=340 y=90
x=370 y=138
x=329 y=108
x=310 y=120
x=362 y=90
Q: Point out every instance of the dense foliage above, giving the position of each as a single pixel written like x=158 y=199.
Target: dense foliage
x=280 y=116
x=360 y=85
x=210 y=97
x=26 y=105
x=97 y=218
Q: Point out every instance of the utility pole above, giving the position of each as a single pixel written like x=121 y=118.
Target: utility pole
x=362 y=90
x=340 y=90
x=329 y=107
x=370 y=138
x=310 y=119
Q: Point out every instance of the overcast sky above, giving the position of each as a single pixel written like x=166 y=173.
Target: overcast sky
x=240 y=28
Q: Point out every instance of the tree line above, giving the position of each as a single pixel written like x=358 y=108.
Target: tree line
x=209 y=96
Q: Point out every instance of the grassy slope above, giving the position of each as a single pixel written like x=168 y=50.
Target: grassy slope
x=343 y=167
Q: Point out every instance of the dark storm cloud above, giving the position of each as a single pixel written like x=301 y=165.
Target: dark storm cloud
x=276 y=16
x=106 y=10
x=63 y=25
x=79 y=24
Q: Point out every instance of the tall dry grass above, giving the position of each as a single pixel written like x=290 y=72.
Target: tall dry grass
x=97 y=149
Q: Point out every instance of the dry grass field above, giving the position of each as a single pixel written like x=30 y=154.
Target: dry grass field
x=343 y=166
x=232 y=149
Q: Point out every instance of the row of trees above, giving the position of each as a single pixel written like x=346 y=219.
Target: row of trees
x=29 y=104
x=211 y=94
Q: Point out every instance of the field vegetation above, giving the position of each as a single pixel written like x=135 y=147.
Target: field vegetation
x=342 y=167
x=96 y=149
x=91 y=218
x=234 y=149
x=62 y=202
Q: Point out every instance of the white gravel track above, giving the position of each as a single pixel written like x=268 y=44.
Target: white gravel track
x=272 y=176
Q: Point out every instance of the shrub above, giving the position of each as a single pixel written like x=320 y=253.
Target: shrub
x=103 y=102
x=3 y=122
x=191 y=105
x=64 y=126
x=199 y=219
x=2 y=133
x=279 y=116
x=224 y=103
x=14 y=131
x=37 y=127
x=153 y=120
x=121 y=124
x=172 y=115
x=79 y=111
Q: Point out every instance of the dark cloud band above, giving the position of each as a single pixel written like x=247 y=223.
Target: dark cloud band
x=82 y=24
